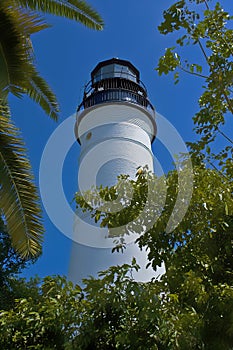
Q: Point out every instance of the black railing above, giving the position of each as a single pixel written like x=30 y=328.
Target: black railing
x=115 y=95
x=114 y=81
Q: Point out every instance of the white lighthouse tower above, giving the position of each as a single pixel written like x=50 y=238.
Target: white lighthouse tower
x=115 y=128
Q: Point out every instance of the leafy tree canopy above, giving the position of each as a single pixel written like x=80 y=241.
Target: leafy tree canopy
x=203 y=29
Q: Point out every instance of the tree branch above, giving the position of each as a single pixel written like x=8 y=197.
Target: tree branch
x=193 y=73
x=224 y=135
x=228 y=101
x=215 y=168
x=203 y=51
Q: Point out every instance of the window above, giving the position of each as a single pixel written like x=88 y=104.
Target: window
x=115 y=70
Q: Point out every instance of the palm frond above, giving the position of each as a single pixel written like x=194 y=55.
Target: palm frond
x=19 y=201
x=72 y=9
x=26 y=21
x=16 y=52
x=39 y=91
x=18 y=72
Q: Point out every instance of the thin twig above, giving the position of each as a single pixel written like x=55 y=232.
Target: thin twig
x=193 y=73
x=224 y=135
x=203 y=51
x=215 y=168
x=207 y=6
x=228 y=101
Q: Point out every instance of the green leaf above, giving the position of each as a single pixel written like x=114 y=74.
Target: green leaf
x=19 y=199
x=72 y=9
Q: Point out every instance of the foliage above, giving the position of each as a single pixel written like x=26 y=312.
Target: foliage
x=47 y=319
x=17 y=60
x=11 y=264
x=125 y=314
x=200 y=270
x=204 y=26
x=19 y=198
x=119 y=313
x=19 y=20
x=197 y=286
x=116 y=313
x=77 y=10
x=18 y=70
x=189 y=308
x=125 y=208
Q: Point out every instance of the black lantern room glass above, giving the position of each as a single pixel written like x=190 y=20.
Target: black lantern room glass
x=114 y=70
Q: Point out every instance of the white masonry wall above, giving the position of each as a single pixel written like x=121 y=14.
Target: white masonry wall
x=115 y=139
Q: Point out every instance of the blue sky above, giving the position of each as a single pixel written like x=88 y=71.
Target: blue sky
x=66 y=53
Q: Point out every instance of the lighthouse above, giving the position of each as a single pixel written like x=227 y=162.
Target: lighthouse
x=115 y=128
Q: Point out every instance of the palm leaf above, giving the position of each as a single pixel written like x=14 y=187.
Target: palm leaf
x=18 y=72
x=27 y=22
x=72 y=9
x=39 y=91
x=16 y=52
x=19 y=200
